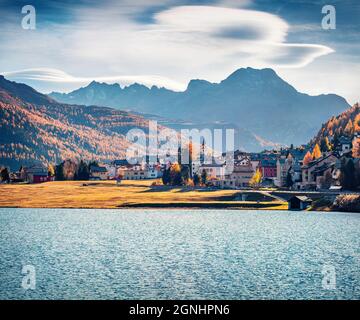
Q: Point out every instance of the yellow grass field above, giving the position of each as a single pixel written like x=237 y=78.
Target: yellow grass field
x=106 y=194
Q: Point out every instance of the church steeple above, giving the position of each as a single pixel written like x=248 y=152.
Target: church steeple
x=202 y=152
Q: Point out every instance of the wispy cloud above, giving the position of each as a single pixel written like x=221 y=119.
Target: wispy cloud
x=108 y=43
x=44 y=77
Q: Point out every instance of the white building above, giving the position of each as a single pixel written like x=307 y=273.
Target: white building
x=213 y=171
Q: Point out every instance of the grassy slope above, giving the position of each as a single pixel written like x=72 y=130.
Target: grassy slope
x=76 y=194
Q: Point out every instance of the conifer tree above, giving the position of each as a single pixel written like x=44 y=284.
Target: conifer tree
x=196 y=179
x=4 y=174
x=59 y=172
x=175 y=175
x=289 y=180
x=348 y=175
x=166 y=179
x=203 y=177
x=82 y=172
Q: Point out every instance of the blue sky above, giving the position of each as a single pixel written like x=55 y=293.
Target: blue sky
x=169 y=42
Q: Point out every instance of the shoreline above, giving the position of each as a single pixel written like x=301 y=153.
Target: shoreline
x=167 y=208
x=271 y=206
x=141 y=194
x=156 y=206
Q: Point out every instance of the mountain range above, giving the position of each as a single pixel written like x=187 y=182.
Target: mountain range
x=265 y=110
x=34 y=128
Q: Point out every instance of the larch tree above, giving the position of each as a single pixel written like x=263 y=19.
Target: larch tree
x=328 y=144
x=349 y=129
x=51 y=170
x=316 y=154
x=325 y=145
x=256 y=179
x=356 y=148
x=307 y=159
x=357 y=123
x=69 y=169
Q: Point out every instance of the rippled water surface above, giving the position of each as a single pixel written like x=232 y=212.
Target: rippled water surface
x=147 y=254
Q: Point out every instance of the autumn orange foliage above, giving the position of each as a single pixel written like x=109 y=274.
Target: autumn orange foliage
x=307 y=159
x=356 y=148
x=357 y=123
x=56 y=132
x=316 y=154
x=347 y=124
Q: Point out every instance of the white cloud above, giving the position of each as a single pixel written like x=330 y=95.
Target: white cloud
x=182 y=43
x=42 y=77
x=328 y=75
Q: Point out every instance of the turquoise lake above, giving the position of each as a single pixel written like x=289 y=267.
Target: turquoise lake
x=179 y=254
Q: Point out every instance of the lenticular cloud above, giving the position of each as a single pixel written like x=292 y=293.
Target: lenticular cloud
x=178 y=44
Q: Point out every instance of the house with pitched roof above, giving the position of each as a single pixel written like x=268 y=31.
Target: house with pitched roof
x=313 y=173
x=98 y=173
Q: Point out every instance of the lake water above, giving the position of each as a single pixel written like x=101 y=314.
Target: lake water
x=178 y=254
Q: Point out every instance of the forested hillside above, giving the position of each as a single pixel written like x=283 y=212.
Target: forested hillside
x=347 y=124
x=36 y=129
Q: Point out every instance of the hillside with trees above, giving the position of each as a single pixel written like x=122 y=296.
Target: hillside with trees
x=36 y=129
x=347 y=124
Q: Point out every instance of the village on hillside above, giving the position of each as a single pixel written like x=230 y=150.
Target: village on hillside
x=325 y=167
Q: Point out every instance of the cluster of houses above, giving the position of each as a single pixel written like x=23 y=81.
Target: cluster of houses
x=139 y=171
x=319 y=174
x=32 y=174
x=276 y=168
x=284 y=169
